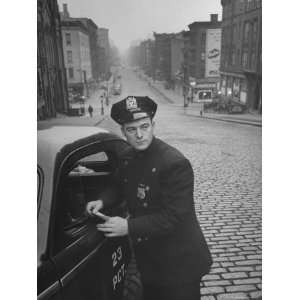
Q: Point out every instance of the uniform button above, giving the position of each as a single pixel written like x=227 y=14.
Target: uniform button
x=139 y=240
x=125 y=180
x=154 y=170
x=145 y=204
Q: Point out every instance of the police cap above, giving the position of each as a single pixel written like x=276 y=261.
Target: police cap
x=133 y=108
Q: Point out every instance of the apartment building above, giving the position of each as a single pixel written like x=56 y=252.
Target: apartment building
x=241 y=52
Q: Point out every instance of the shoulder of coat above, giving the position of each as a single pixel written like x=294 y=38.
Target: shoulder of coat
x=170 y=151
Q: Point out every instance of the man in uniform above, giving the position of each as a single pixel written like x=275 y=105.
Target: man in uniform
x=157 y=182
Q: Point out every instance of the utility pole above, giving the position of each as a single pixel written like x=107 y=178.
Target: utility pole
x=185 y=86
x=102 y=107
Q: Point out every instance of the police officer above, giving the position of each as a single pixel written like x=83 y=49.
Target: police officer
x=157 y=182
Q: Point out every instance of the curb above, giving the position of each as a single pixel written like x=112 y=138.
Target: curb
x=235 y=121
x=99 y=122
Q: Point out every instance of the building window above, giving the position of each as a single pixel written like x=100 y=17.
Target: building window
x=246 y=32
x=249 y=4
x=71 y=73
x=68 y=39
x=254 y=32
x=253 y=61
x=238 y=59
x=69 y=56
x=241 y=6
x=233 y=56
x=245 y=59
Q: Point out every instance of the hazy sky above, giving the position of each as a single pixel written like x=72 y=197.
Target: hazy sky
x=129 y=20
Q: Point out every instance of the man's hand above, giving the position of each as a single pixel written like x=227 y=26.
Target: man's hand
x=113 y=226
x=93 y=207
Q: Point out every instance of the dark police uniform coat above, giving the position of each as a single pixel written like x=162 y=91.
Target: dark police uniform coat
x=157 y=185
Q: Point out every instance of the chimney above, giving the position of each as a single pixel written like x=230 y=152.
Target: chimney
x=65 y=11
x=214 y=18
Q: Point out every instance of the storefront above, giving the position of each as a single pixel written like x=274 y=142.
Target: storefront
x=234 y=86
x=204 y=92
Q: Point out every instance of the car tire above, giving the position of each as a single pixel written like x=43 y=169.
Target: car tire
x=132 y=285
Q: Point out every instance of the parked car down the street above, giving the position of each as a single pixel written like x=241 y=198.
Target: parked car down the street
x=74 y=260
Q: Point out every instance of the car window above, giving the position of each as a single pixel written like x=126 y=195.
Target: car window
x=101 y=156
x=83 y=181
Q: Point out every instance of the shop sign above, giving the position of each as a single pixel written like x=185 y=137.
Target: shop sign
x=204 y=96
x=205 y=85
x=213 y=52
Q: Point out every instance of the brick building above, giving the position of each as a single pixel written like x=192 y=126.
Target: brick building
x=52 y=94
x=177 y=61
x=92 y=30
x=104 y=48
x=76 y=46
x=146 y=57
x=162 y=56
x=94 y=47
x=177 y=45
x=241 y=52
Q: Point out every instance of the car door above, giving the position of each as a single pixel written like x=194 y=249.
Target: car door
x=89 y=265
x=48 y=284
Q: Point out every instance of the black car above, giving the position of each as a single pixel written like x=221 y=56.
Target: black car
x=75 y=261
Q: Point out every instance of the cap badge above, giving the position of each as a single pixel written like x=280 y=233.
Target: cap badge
x=131 y=103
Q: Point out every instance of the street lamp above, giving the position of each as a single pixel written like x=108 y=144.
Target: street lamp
x=107 y=99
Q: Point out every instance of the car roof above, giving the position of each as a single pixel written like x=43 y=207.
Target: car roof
x=50 y=141
x=59 y=136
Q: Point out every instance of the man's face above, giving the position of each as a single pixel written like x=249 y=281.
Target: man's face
x=139 y=134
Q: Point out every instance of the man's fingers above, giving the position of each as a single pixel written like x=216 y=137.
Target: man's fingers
x=104 y=229
x=104 y=225
x=102 y=216
x=110 y=234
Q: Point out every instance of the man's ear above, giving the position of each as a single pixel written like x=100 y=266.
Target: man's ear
x=153 y=124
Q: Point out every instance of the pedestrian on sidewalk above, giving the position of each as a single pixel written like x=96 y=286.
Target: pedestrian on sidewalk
x=90 y=110
x=157 y=182
x=201 y=109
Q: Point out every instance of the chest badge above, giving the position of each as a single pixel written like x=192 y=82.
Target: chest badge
x=141 y=191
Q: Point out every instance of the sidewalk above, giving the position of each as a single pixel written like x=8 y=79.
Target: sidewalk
x=84 y=120
x=194 y=108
